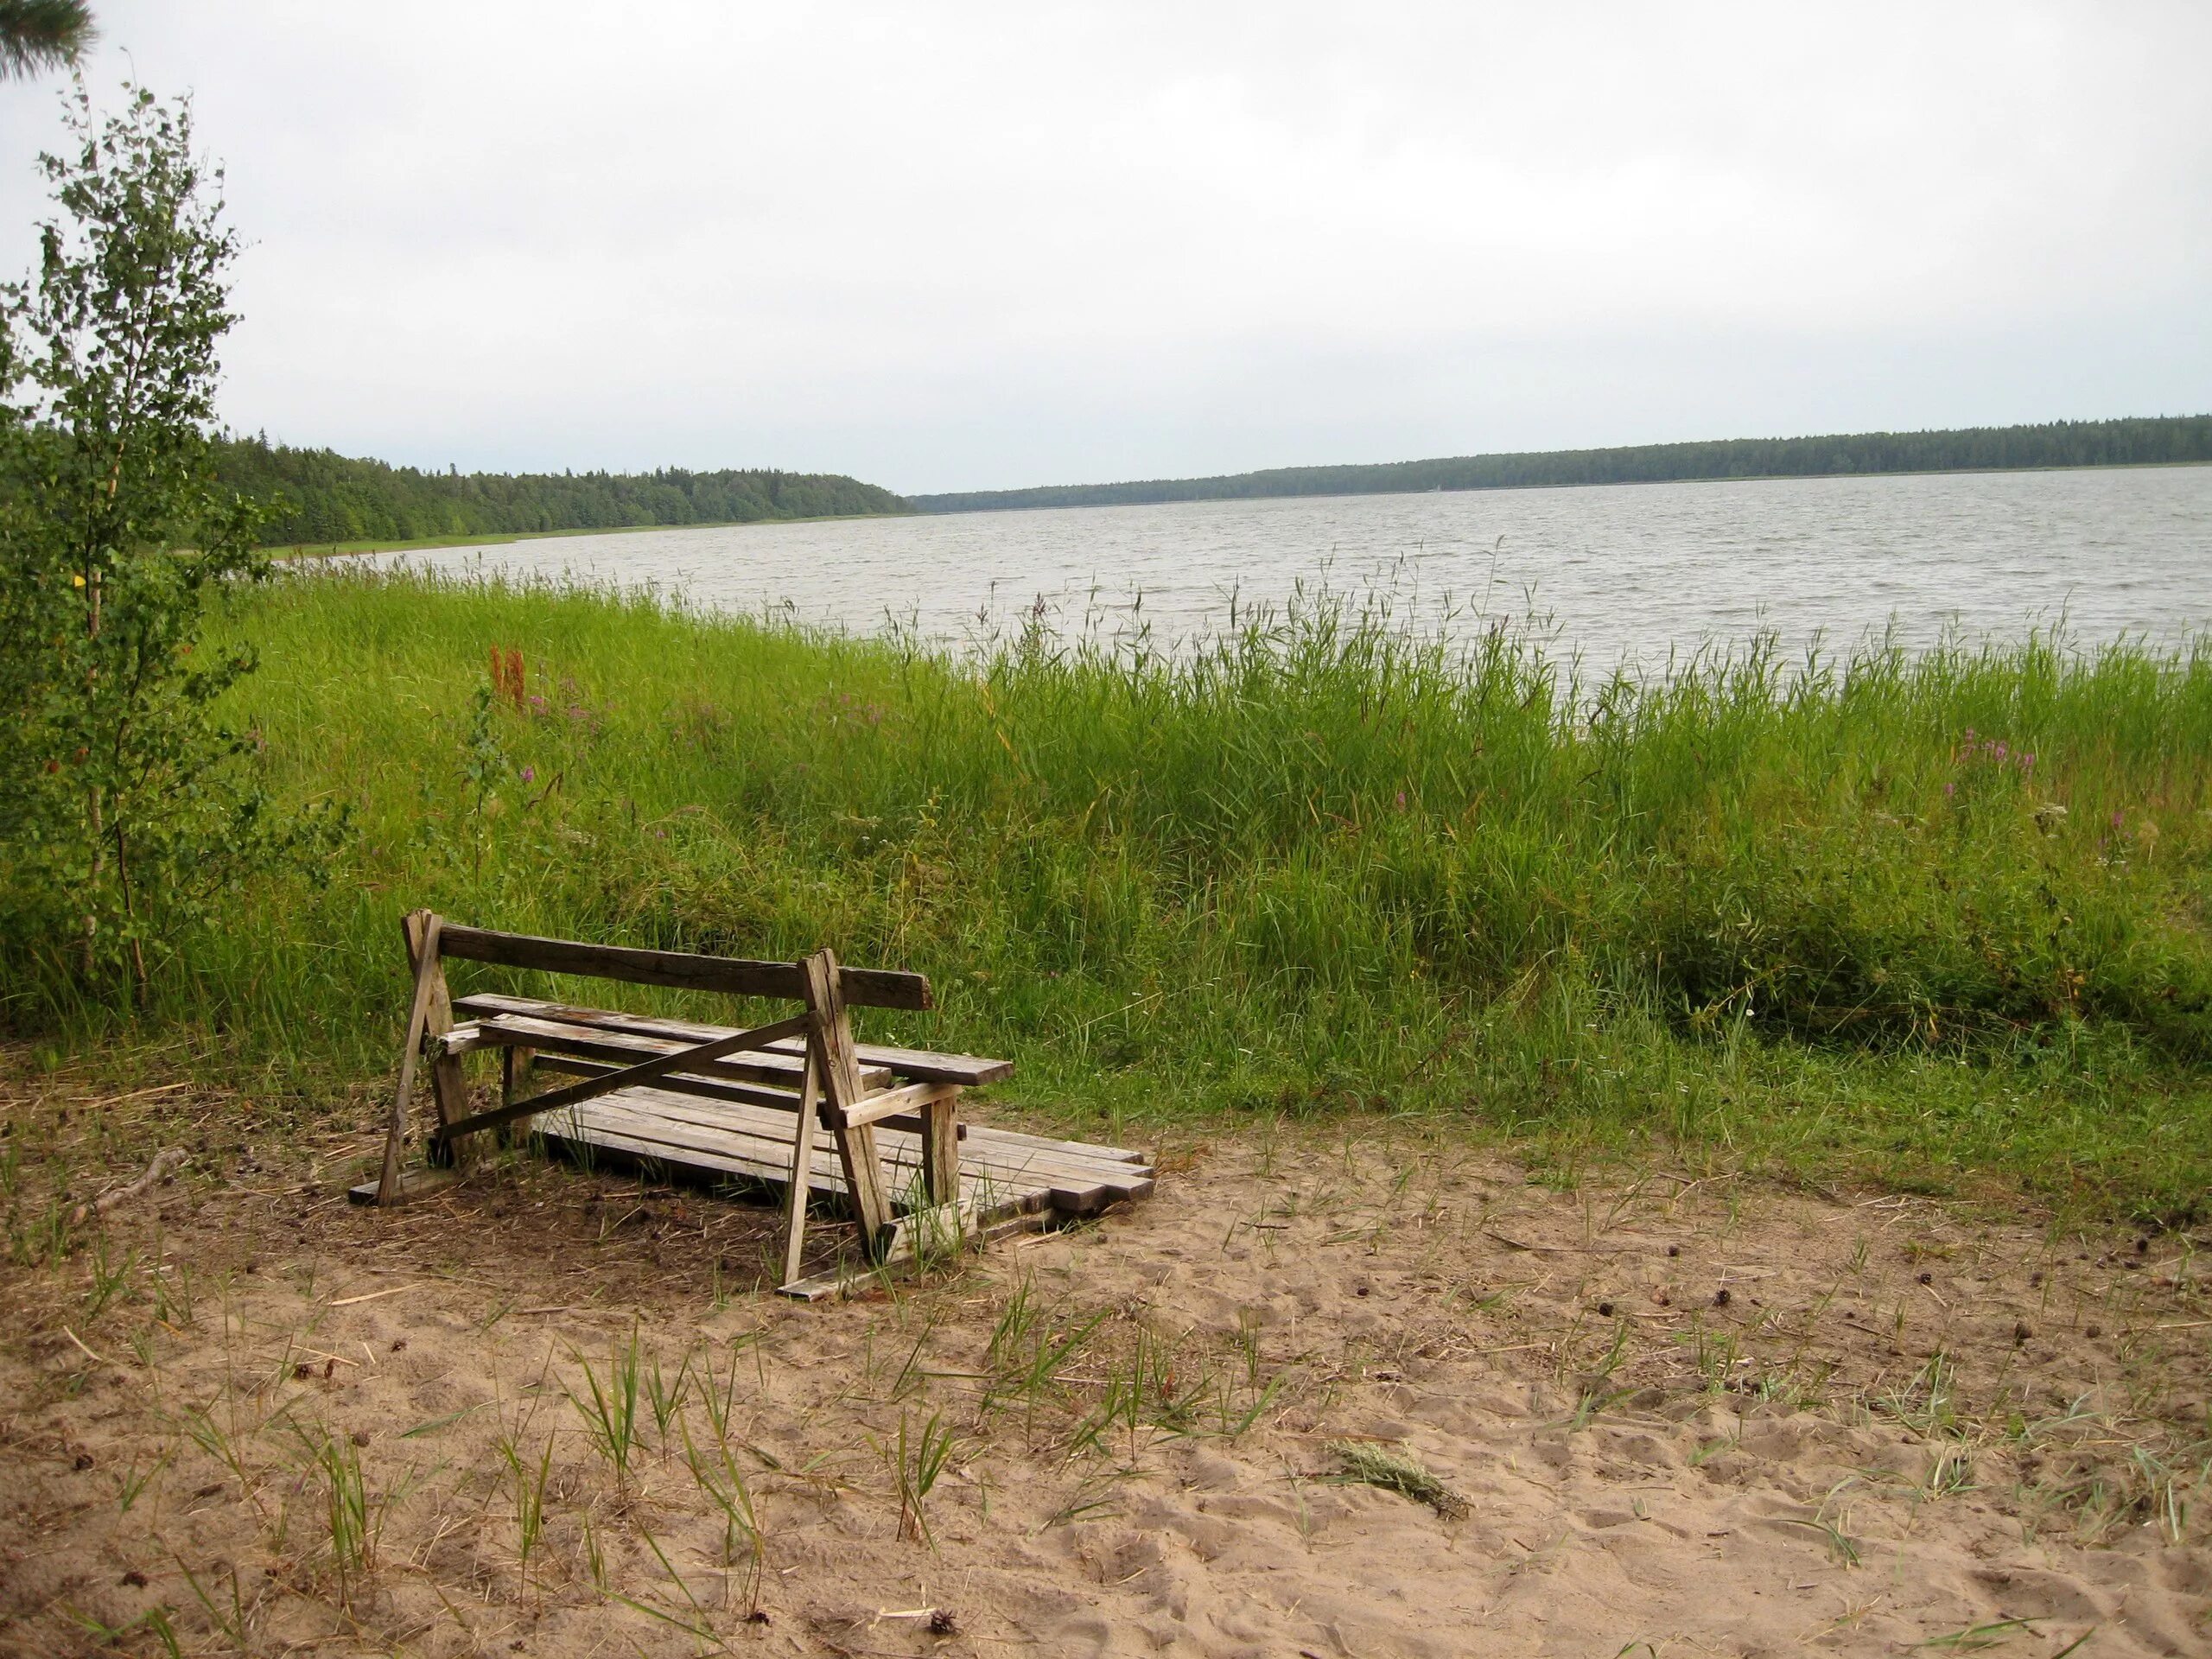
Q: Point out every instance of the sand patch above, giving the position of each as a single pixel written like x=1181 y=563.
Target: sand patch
x=550 y=1411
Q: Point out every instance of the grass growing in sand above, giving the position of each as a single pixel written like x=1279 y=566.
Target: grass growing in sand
x=1375 y=1465
x=1920 y=918
x=1408 y=1384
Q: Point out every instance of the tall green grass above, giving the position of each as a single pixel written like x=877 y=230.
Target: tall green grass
x=1822 y=914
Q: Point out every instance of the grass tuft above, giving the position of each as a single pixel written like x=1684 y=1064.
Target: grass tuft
x=1370 y=1465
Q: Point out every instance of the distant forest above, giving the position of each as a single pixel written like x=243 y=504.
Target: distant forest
x=2162 y=439
x=332 y=498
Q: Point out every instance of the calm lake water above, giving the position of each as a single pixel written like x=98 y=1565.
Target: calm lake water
x=1622 y=572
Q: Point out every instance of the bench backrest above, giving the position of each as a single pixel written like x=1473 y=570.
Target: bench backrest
x=875 y=987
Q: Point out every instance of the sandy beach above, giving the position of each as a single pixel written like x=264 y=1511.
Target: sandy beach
x=1663 y=1413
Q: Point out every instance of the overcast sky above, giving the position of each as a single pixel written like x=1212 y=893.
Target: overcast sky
x=949 y=245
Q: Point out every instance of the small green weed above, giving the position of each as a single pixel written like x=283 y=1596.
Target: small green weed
x=916 y=1460
x=610 y=1414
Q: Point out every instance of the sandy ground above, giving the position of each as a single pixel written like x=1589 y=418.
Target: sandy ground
x=1663 y=1415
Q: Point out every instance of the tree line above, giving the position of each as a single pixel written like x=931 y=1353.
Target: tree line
x=2132 y=442
x=319 y=496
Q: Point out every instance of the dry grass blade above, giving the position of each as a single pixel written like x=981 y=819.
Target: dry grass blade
x=1370 y=1465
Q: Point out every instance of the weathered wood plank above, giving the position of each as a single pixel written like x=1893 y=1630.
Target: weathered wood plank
x=901 y=1150
x=1076 y=1148
x=517 y=1072
x=983 y=1151
x=684 y=1124
x=418 y=1013
x=802 y=1173
x=894 y=1102
x=1073 y=1161
x=448 y=1086
x=916 y=1064
x=747 y=1094
x=841 y=1280
x=877 y=988
x=621 y=1048
x=830 y=1036
x=927 y=1066
x=413 y=1184
x=687 y=1147
x=626 y=1077
x=940 y=1148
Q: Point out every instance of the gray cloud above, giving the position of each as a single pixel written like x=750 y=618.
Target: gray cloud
x=964 y=245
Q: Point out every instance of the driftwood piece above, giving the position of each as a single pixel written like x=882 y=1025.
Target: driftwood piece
x=165 y=1164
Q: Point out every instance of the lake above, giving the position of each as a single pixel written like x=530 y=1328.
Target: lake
x=1623 y=572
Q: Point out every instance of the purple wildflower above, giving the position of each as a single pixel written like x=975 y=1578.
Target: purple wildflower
x=1950 y=789
x=529 y=774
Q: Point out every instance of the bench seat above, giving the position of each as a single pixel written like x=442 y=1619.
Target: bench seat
x=908 y=1064
x=590 y=1042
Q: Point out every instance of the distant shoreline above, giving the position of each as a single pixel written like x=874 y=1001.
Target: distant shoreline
x=1506 y=489
x=2157 y=441
x=291 y=551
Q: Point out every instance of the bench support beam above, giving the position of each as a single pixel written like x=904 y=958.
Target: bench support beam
x=607 y=1082
x=802 y=1174
x=831 y=1038
x=429 y=979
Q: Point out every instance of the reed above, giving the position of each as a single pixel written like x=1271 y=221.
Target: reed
x=1923 y=917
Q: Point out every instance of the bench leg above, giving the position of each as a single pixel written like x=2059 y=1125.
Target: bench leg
x=802 y=1181
x=450 y=1092
x=863 y=1168
x=830 y=1042
x=422 y=928
x=517 y=1081
x=517 y=1074
x=940 y=1148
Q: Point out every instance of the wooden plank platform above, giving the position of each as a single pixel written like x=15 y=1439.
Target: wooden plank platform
x=722 y=1105
x=1002 y=1173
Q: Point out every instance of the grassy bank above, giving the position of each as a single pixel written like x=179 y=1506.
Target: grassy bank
x=1935 y=919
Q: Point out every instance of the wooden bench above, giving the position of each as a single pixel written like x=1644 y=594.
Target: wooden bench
x=807 y=1066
